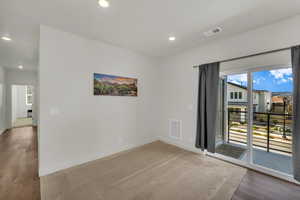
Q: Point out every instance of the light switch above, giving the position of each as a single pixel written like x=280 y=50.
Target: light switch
x=54 y=111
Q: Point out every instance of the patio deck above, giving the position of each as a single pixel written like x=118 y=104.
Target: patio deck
x=276 y=143
x=276 y=161
x=271 y=138
x=271 y=160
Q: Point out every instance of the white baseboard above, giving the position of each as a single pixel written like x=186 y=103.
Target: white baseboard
x=180 y=144
x=66 y=165
x=3 y=131
x=168 y=140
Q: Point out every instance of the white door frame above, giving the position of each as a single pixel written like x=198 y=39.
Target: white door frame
x=250 y=117
x=249 y=163
x=11 y=123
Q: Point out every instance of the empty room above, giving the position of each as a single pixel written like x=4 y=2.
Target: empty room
x=150 y=100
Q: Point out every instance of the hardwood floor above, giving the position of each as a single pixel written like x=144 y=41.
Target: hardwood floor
x=257 y=186
x=19 y=165
x=19 y=173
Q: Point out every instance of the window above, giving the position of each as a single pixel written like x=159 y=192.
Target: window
x=235 y=95
x=231 y=95
x=29 y=95
x=240 y=95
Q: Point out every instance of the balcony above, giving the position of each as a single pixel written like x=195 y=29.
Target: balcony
x=272 y=138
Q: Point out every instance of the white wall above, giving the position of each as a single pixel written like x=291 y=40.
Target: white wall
x=179 y=90
x=19 y=77
x=76 y=126
x=3 y=126
x=19 y=106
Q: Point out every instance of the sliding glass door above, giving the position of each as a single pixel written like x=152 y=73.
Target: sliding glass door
x=234 y=94
x=256 y=118
x=272 y=119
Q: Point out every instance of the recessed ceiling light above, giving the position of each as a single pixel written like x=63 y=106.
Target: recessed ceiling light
x=20 y=67
x=172 y=38
x=6 y=38
x=103 y=3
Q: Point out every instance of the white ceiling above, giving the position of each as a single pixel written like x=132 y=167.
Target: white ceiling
x=139 y=25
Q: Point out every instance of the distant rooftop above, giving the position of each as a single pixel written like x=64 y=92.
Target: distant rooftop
x=282 y=94
x=244 y=87
x=277 y=99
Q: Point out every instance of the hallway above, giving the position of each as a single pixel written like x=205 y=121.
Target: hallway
x=19 y=165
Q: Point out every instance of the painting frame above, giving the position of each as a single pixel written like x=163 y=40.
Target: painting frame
x=114 y=85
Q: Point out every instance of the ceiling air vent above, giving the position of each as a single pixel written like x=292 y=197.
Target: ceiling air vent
x=212 y=32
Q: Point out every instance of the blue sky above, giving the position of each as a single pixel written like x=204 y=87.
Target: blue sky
x=100 y=76
x=279 y=80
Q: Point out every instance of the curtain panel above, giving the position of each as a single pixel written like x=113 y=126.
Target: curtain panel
x=207 y=106
x=296 y=111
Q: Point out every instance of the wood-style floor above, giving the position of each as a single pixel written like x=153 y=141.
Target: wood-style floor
x=19 y=173
x=19 y=165
x=257 y=186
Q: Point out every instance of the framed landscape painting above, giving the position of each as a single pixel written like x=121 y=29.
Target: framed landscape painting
x=110 y=85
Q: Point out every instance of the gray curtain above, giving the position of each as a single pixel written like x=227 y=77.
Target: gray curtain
x=207 y=106
x=296 y=111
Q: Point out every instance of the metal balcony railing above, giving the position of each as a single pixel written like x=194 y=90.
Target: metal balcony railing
x=271 y=131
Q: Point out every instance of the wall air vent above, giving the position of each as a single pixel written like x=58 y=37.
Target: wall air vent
x=175 y=129
x=212 y=32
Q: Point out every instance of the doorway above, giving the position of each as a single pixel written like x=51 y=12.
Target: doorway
x=22 y=105
x=256 y=118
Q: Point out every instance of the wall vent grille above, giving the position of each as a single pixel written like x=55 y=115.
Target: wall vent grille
x=175 y=129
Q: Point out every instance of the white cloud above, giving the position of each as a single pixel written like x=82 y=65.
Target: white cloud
x=280 y=73
x=240 y=79
x=282 y=81
x=234 y=81
x=257 y=80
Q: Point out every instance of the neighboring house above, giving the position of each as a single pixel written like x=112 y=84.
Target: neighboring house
x=282 y=103
x=237 y=102
x=263 y=101
x=237 y=98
